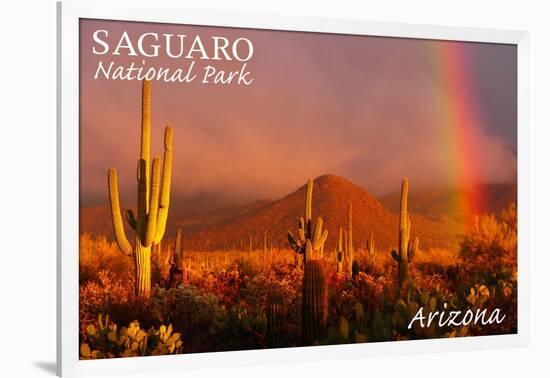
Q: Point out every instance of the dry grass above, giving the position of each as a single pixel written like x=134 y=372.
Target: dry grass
x=98 y=254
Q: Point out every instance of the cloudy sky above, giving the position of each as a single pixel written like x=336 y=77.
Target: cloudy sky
x=366 y=108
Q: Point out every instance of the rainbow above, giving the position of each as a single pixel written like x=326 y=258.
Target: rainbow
x=460 y=122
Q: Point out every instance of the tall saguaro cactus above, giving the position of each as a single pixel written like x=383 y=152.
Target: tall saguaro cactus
x=314 y=302
x=309 y=241
x=407 y=248
x=349 y=241
x=152 y=204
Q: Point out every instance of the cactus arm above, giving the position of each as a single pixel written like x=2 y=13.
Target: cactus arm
x=318 y=231
x=301 y=235
x=395 y=255
x=131 y=219
x=145 y=148
x=292 y=242
x=164 y=201
x=324 y=239
x=120 y=236
x=319 y=242
x=151 y=228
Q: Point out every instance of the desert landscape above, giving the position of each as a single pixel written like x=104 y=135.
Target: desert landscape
x=326 y=264
x=357 y=189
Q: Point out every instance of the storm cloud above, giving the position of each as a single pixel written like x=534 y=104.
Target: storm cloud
x=366 y=108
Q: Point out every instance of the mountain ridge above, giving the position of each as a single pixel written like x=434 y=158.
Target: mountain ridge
x=235 y=226
x=331 y=195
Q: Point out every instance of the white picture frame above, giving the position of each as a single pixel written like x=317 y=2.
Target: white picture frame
x=69 y=13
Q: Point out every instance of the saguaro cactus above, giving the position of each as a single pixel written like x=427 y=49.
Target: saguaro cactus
x=176 y=261
x=276 y=318
x=340 y=253
x=310 y=242
x=160 y=260
x=314 y=302
x=349 y=240
x=407 y=248
x=370 y=245
x=152 y=204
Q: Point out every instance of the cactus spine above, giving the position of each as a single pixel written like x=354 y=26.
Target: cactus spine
x=407 y=248
x=314 y=302
x=153 y=200
x=310 y=241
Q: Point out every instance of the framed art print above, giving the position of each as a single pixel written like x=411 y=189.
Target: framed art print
x=283 y=188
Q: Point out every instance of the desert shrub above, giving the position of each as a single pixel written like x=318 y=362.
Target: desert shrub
x=197 y=313
x=108 y=294
x=435 y=261
x=221 y=302
x=490 y=248
x=187 y=307
x=230 y=305
x=223 y=283
x=105 y=293
x=283 y=280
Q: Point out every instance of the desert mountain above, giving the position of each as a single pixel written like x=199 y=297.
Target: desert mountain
x=331 y=195
x=236 y=226
x=196 y=222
